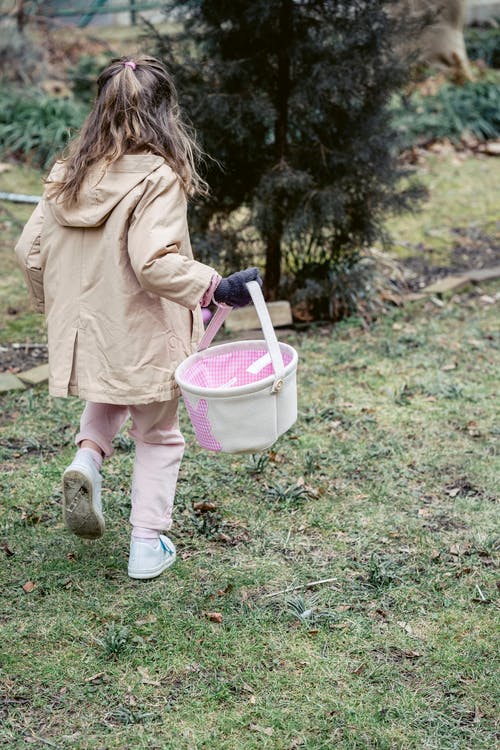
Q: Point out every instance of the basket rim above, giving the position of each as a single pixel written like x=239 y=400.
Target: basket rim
x=239 y=390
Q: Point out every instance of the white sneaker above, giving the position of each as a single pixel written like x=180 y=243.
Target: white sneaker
x=82 y=508
x=148 y=561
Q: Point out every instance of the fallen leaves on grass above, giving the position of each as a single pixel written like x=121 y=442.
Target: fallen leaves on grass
x=5 y=548
x=262 y=730
x=463 y=548
x=146 y=678
x=147 y=620
x=95 y=679
x=204 y=507
x=214 y=616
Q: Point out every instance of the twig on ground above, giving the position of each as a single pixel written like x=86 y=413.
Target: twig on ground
x=302 y=586
x=44 y=741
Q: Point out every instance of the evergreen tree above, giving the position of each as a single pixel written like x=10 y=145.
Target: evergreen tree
x=290 y=98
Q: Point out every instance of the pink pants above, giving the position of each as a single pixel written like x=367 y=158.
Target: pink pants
x=159 y=446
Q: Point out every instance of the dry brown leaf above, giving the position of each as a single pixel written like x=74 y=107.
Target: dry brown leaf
x=359 y=670
x=29 y=586
x=227 y=590
x=412 y=654
x=478 y=714
x=406 y=627
x=263 y=730
x=460 y=549
x=204 y=507
x=148 y=620
x=424 y=512
x=146 y=678
x=95 y=677
x=214 y=616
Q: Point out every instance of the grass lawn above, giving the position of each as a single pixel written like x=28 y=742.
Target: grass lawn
x=385 y=487
x=461 y=207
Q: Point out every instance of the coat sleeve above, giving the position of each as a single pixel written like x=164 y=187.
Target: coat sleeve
x=28 y=256
x=158 y=246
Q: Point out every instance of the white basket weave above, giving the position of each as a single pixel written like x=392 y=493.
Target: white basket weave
x=240 y=396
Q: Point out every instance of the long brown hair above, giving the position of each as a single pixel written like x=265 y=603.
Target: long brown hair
x=136 y=109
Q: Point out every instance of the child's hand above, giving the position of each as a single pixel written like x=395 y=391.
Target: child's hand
x=233 y=291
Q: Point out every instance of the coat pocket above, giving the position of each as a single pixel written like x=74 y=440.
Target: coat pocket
x=34 y=280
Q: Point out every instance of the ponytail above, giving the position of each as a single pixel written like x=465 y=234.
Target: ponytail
x=136 y=110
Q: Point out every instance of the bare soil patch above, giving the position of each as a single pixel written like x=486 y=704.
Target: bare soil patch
x=20 y=357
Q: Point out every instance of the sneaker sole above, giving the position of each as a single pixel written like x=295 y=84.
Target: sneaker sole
x=80 y=516
x=144 y=575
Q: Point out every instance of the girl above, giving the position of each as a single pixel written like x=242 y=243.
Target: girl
x=107 y=257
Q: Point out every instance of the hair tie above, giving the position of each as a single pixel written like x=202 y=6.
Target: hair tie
x=130 y=64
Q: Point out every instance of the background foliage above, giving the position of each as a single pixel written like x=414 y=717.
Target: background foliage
x=291 y=99
x=303 y=108
x=483 y=43
x=452 y=111
x=35 y=127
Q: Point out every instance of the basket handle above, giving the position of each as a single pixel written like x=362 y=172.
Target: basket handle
x=267 y=328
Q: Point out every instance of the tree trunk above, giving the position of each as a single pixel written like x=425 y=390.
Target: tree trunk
x=273 y=265
x=20 y=15
x=273 y=240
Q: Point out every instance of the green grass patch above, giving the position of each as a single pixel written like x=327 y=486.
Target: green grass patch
x=484 y=44
x=394 y=456
x=36 y=127
x=461 y=208
x=17 y=321
x=386 y=485
x=385 y=488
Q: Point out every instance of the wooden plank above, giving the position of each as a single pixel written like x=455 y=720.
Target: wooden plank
x=246 y=319
x=452 y=283
x=484 y=274
x=448 y=284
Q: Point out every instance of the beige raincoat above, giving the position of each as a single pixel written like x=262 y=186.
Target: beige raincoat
x=115 y=277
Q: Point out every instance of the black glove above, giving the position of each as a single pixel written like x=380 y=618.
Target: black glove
x=233 y=291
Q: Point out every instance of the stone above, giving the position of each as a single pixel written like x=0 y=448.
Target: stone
x=492 y=148
x=36 y=375
x=246 y=319
x=9 y=382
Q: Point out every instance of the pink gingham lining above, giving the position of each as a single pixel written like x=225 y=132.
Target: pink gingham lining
x=230 y=370
x=201 y=424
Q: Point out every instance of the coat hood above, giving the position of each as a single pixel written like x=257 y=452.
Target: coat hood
x=102 y=189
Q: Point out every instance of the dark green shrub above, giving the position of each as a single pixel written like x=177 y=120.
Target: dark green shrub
x=483 y=43
x=331 y=290
x=291 y=98
x=35 y=127
x=83 y=76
